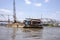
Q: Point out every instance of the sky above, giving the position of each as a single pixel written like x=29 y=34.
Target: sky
x=30 y=9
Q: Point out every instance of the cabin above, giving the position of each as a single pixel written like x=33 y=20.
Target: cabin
x=33 y=23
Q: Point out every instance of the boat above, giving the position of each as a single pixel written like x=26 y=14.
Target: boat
x=33 y=23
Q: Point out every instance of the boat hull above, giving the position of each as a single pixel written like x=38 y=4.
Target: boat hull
x=28 y=26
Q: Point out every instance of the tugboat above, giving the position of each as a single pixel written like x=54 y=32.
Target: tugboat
x=32 y=23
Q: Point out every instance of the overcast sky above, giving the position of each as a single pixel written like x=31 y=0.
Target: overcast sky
x=31 y=9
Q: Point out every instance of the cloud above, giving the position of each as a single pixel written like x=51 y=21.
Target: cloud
x=5 y=10
x=38 y=4
x=27 y=1
x=46 y=1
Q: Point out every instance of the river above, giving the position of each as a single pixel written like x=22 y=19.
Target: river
x=47 y=33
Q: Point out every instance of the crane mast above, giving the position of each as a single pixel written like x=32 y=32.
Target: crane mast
x=14 y=11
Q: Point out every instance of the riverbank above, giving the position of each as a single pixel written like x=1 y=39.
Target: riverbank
x=19 y=25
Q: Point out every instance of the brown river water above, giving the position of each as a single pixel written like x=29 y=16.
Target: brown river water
x=47 y=33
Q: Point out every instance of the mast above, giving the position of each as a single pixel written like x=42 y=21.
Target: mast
x=14 y=11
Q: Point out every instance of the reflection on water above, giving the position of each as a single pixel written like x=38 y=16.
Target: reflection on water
x=28 y=34
x=32 y=33
x=13 y=34
x=47 y=33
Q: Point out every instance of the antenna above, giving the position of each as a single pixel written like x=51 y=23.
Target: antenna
x=14 y=11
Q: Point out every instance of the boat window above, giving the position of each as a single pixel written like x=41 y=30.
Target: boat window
x=34 y=22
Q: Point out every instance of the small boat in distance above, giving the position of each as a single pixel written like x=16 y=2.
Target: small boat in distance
x=32 y=23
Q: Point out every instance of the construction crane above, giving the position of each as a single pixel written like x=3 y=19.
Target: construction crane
x=14 y=11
